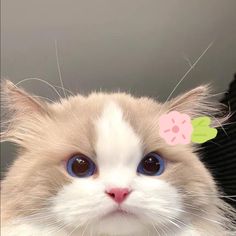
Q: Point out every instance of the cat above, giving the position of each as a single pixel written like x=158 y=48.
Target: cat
x=96 y=165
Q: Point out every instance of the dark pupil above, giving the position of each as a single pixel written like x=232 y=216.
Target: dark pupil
x=80 y=166
x=151 y=165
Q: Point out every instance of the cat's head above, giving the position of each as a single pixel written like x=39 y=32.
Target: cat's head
x=98 y=163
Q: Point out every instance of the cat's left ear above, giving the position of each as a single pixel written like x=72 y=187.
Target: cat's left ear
x=19 y=111
x=18 y=101
x=199 y=102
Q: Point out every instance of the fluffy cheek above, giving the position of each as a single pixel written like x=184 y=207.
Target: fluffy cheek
x=81 y=202
x=154 y=201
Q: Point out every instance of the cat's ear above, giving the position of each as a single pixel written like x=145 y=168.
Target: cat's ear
x=200 y=102
x=17 y=106
x=18 y=101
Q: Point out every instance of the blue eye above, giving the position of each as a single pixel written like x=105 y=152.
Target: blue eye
x=80 y=166
x=152 y=164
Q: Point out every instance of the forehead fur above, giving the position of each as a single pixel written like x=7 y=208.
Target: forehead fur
x=114 y=134
x=79 y=117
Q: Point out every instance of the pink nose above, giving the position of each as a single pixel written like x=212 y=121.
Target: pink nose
x=118 y=194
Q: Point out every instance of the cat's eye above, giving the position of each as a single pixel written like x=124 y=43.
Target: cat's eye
x=152 y=164
x=80 y=166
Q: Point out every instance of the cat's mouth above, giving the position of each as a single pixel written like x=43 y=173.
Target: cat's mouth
x=119 y=212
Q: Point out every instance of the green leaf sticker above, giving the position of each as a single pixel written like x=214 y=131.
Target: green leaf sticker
x=202 y=132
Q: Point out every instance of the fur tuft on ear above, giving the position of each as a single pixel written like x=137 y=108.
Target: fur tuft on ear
x=199 y=102
x=17 y=107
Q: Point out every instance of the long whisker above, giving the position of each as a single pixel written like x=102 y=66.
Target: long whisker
x=67 y=90
x=156 y=229
x=85 y=229
x=58 y=68
x=43 y=81
x=191 y=213
x=186 y=73
x=190 y=69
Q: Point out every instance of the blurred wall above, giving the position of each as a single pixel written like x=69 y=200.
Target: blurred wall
x=141 y=46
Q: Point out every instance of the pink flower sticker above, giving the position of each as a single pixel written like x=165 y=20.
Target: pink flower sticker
x=175 y=128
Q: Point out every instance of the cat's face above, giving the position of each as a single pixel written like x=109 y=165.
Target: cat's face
x=115 y=132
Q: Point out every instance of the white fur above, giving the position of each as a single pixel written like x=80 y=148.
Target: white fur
x=118 y=148
x=84 y=203
x=191 y=232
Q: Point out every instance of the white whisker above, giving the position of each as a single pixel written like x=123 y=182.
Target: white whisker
x=186 y=73
x=190 y=69
x=43 y=81
x=58 y=68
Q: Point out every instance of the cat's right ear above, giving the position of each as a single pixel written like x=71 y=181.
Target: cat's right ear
x=198 y=102
x=17 y=106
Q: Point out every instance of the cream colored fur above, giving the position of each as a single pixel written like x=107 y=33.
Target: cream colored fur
x=115 y=130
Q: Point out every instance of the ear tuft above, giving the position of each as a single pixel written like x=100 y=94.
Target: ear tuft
x=200 y=102
x=16 y=99
x=17 y=106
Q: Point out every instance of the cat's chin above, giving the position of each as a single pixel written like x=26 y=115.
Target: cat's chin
x=120 y=223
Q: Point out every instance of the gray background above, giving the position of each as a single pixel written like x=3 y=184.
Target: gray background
x=139 y=46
